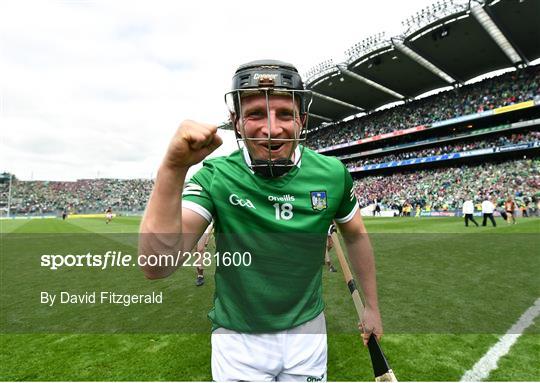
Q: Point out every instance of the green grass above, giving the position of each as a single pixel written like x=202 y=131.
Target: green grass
x=447 y=293
x=448 y=225
x=523 y=362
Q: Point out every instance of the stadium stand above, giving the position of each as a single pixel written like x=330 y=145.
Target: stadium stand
x=507 y=89
x=477 y=139
x=80 y=197
x=445 y=189
x=494 y=142
x=453 y=155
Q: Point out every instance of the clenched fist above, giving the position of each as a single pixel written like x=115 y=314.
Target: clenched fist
x=192 y=143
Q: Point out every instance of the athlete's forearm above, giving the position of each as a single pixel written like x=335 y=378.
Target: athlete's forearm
x=164 y=209
x=363 y=263
x=161 y=226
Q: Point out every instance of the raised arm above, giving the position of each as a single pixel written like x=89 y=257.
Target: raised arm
x=166 y=228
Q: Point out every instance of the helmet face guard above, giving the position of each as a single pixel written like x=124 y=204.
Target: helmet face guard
x=268 y=78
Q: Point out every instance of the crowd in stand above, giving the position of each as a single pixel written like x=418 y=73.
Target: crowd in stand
x=439 y=189
x=447 y=188
x=507 y=89
x=531 y=136
x=81 y=196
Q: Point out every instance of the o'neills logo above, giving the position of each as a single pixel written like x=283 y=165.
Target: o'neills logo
x=237 y=201
x=284 y=198
x=264 y=76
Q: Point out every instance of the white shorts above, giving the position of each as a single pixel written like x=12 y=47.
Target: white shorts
x=109 y=215
x=298 y=354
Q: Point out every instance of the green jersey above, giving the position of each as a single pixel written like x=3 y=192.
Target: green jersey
x=282 y=223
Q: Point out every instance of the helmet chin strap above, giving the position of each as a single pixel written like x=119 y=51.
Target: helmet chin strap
x=272 y=169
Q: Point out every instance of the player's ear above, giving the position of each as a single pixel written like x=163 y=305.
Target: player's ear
x=235 y=121
x=234 y=124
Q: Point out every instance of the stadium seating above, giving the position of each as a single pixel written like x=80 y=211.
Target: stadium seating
x=440 y=189
x=81 y=196
x=531 y=136
x=447 y=188
x=507 y=89
x=444 y=188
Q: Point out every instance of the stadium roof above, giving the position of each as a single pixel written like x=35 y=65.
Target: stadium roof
x=446 y=44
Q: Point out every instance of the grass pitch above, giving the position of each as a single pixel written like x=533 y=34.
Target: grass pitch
x=446 y=292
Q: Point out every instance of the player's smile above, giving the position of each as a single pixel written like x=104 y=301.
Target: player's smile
x=276 y=148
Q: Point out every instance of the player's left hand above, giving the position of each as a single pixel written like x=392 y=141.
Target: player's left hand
x=371 y=324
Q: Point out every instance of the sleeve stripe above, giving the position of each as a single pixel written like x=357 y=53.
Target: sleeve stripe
x=191 y=192
x=349 y=216
x=197 y=209
x=192 y=187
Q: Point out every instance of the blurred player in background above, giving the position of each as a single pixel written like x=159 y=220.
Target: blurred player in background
x=407 y=208
x=510 y=209
x=201 y=249
x=376 y=208
x=329 y=245
x=108 y=215
x=524 y=209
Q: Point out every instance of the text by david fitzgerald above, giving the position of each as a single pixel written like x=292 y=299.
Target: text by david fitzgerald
x=100 y=297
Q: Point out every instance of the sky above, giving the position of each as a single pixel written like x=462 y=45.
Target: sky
x=97 y=88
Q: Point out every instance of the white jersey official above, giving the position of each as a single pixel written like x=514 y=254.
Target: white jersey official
x=468 y=207
x=487 y=212
x=487 y=207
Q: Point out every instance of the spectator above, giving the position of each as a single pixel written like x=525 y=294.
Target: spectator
x=447 y=187
x=506 y=89
x=511 y=138
x=81 y=196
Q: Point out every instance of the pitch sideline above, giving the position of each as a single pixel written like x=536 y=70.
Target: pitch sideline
x=488 y=362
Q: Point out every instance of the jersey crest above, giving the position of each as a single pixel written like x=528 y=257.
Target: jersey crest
x=318 y=200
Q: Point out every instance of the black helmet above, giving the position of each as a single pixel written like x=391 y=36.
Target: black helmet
x=271 y=77
x=269 y=74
